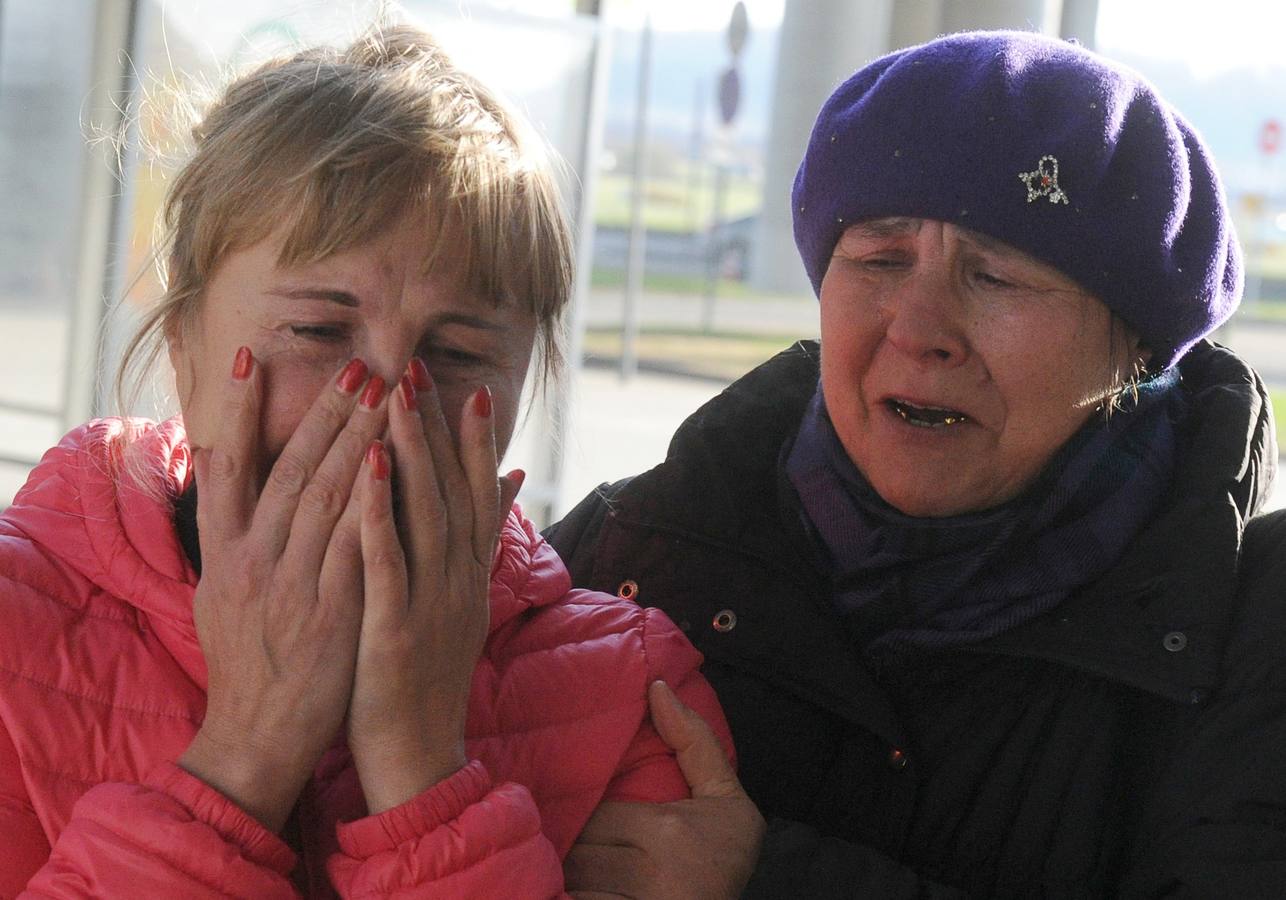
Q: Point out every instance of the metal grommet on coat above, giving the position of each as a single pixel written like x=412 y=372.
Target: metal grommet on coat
x=897 y=759
x=724 y=621
x=1174 y=641
x=629 y=590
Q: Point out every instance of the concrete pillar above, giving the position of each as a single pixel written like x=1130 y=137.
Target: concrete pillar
x=914 y=22
x=820 y=44
x=1024 y=15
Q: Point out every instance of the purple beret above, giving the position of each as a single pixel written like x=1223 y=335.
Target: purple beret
x=1050 y=148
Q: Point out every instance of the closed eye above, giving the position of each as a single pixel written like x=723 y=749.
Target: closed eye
x=455 y=356
x=987 y=279
x=321 y=333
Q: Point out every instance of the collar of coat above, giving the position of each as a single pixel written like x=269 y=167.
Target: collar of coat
x=1158 y=620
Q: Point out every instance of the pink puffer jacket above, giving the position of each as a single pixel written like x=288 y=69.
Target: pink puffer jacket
x=102 y=686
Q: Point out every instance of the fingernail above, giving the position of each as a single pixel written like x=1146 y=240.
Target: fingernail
x=517 y=476
x=406 y=390
x=482 y=402
x=242 y=364
x=420 y=376
x=351 y=378
x=374 y=392
x=377 y=459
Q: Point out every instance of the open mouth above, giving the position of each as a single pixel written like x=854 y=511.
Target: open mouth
x=927 y=416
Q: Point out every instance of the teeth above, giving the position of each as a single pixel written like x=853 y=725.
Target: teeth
x=927 y=416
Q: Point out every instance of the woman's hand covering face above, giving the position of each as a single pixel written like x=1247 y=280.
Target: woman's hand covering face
x=279 y=606
x=321 y=596
x=426 y=560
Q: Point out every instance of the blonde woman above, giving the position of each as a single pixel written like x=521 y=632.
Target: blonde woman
x=298 y=640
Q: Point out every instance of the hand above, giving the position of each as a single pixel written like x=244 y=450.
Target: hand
x=278 y=606
x=704 y=847
x=427 y=563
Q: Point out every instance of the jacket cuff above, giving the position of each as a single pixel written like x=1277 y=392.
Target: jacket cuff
x=256 y=843
x=415 y=818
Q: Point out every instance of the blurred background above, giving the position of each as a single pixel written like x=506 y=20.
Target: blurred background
x=681 y=122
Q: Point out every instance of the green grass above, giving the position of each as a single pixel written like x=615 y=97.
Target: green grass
x=1277 y=396
x=673 y=283
x=672 y=203
x=1274 y=310
x=723 y=355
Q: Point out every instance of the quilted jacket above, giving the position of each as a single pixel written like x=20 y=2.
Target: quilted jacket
x=102 y=687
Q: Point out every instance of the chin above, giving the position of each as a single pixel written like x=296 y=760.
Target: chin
x=922 y=503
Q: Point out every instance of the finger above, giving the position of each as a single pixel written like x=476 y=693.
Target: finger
x=450 y=477
x=330 y=486
x=510 y=485
x=478 y=459
x=421 y=516
x=227 y=480
x=342 y=572
x=617 y=822
x=699 y=753
x=293 y=470
x=604 y=870
x=383 y=564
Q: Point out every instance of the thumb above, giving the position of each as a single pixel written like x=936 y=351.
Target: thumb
x=510 y=485
x=699 y=753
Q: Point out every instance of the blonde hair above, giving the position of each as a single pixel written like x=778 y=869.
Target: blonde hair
x=334 y=144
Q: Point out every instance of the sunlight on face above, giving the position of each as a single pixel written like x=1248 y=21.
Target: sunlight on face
x=954 y=366
x=374 y=302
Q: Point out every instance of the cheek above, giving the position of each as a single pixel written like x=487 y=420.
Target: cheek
x=456 y=397
x=289 y=392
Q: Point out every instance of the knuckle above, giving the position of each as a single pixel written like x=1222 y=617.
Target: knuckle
x=385 y=556
x=289 y=476
x=347 y=542
x=225 y=466
x=323 y=499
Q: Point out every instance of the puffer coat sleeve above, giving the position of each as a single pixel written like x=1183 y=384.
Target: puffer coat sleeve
x=467 y=836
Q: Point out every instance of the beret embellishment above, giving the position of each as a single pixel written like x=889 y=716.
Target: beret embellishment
x=1044 y=181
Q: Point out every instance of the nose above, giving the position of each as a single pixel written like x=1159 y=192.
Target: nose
x=924 y=318
x=387 y=348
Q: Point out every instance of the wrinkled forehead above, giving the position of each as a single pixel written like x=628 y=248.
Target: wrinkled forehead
x=905 y=226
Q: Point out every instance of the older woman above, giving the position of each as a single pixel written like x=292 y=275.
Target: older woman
x=979 y=580
x=350 y=667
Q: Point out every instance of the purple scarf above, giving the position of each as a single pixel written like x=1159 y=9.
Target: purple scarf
x=903 y=583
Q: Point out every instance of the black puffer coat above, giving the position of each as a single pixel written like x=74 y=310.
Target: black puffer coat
x=1130 y=743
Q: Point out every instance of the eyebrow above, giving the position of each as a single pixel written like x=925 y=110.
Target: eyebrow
x=469 y=321
x=895 y=226
x=343 y=298
x=889 y=227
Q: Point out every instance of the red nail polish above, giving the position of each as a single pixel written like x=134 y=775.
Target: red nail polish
x=406 y=390
x=377 y=459
x=420 y=376
x=351 y=378
x=517 y=476
x=482 y=402
x=374 y=392
x=242 y=364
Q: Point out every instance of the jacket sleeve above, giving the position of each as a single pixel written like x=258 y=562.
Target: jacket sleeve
x=1216 y=824
x=468 y=837
x=648 y=773
x=25 y=849
x=463 y=837
x=172 y=836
